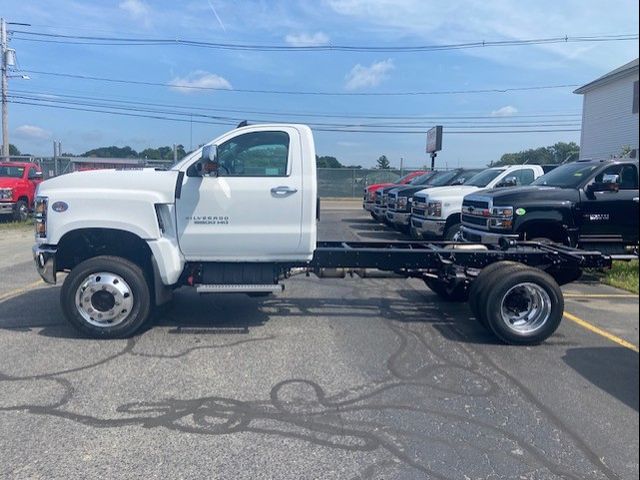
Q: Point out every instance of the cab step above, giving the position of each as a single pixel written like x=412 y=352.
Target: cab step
x=239 y=288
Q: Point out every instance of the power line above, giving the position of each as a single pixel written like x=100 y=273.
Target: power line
x=344 y=129
x=141 y=41
x=457 y=124
x=142 y=106
x=177 y=85
x=49 y=95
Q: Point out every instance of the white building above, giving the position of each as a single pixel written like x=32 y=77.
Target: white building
x=610 y=113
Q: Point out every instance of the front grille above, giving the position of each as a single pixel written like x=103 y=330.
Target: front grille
x=420 y=199
x=470 y=219
x=475 y=203
x=418 y=212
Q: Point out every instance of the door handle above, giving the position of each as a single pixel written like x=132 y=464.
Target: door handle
x=283 y=191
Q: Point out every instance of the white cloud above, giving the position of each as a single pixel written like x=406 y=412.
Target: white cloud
x=307 y=39
x=473 y=21
x=199 y=80
x=137 y=9
x=31 y=132
x=362 y=77
x=507 y=111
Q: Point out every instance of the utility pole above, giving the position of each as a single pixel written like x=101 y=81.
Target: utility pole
x=5 y=87
x=401 y=165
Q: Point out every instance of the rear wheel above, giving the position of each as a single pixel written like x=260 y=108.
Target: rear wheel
x=21 y=211
x=106 y=297
x=524 y=306
x=487 y=277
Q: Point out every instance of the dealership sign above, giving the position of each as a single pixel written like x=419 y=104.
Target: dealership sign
x=434 y=139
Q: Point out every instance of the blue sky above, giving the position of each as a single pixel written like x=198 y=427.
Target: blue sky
x=322 y=22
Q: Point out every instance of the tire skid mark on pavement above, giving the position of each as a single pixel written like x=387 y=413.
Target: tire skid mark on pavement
x=421 y=363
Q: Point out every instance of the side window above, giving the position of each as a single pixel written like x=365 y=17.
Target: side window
x=255 y=154
x=32 y=173
x=627 y=173
x=526 y=176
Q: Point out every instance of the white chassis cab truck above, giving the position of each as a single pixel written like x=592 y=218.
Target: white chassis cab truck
x=436 y=212
x=240 y=215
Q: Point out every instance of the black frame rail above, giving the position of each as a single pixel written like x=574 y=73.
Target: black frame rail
x=416 y=255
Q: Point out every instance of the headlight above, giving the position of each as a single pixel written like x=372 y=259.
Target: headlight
x=6 y=193
x=502 y=212
x=434 y=209
x=40 y=215
x=501 y=218
x=401 y=203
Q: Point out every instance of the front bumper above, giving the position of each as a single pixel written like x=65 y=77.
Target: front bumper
x=482 y=236
x=368 y=206
x=428 y=228
x=380 y=212
x=6 y=208
x=45 y=260
x=399 y=218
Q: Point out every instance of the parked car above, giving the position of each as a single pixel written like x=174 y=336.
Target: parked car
x=380 y=202
x=399 y=201
x=370 y=191
x=435 y=213
x=590 y=204
x=18 y=182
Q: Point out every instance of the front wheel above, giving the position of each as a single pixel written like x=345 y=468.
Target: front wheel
x=21 y=211
x=451 y=232
x=106 y=297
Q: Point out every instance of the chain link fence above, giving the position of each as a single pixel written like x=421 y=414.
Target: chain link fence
x=351 y=182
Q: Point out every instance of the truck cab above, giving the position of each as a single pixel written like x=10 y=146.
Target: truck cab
x=18 y=183
x=590 y=204
x=435 y=213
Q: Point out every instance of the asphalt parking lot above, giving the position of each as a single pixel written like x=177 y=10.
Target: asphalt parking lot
x=352 y=378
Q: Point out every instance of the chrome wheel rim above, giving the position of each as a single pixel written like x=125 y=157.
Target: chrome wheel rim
x=23 y=212
x=104 y=299
x=525 y=308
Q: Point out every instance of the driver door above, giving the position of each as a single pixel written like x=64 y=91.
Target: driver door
x=252 y=211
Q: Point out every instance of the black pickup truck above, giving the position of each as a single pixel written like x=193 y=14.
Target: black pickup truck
x=588 y=204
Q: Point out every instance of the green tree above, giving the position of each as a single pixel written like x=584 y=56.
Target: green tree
x=111 y=152
x=554 y=154
x=383 y=163
x=13 y=150
x=327 y=162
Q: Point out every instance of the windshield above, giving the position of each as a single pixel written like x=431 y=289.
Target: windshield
x=567 y=176
x=11 y=171
x=444 y=178
x=485 y=177
x=423 y=179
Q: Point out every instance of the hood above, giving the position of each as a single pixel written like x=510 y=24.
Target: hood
x=407 y=191
x=452 y=191
x=390 y=187
x=157 y=185
x=9 y=182
x=377 y=186
x=529 y=194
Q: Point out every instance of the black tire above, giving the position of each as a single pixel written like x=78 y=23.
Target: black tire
x=135 y=279
x=457 y=294
x=21 y=211
x=451 y=231
x=506 y=287
x=487 y=277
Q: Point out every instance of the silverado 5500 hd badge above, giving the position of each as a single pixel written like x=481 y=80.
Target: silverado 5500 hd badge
x=209 y=219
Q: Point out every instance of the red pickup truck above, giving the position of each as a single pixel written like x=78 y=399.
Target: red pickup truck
x=18 y=182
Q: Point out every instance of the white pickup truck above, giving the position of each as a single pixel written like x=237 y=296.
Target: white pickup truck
x=436 y=212
x=239 y=216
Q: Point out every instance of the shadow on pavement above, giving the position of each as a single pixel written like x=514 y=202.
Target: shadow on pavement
x=612 y=369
